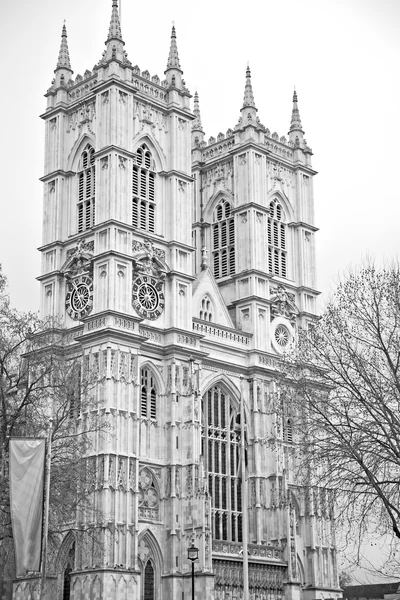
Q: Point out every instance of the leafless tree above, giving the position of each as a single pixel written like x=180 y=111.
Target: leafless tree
x=42 y=385
x=343 y=386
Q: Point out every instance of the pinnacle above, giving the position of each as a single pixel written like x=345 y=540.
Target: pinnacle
x=196 y=111
x=173 y=58
x=248 y=99
x=63 y=61
x=114 y=32
x=295 y=123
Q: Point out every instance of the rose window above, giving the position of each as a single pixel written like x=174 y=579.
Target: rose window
x=148 y=496
x=282 y=336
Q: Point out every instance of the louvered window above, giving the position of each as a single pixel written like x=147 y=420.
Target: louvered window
x=223 y=240
x=221 y=444
x=86 y=190
x=148 y=395
x=277 y=252
x=143 y=190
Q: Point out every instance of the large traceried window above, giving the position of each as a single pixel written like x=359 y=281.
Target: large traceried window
x=277 y=252
x=221 y=451
x=143 y=190
x=148 y=395
x=86 y=190
x=223 y=240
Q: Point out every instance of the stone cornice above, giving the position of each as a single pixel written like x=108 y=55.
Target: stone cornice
x=305 y=288
x=104 y=84
x=248 y=205
x=297 y=224
x=113 y=148
x=62 y=107
x=57 y=173
x=176 y=173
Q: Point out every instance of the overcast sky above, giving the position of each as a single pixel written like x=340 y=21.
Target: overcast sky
x=342 y=56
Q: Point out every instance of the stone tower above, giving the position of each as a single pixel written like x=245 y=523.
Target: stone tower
x=181 y=270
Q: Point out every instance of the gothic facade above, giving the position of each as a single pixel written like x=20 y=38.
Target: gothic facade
x=181 y=269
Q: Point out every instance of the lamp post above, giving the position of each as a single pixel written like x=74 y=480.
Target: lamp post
x=193 y=554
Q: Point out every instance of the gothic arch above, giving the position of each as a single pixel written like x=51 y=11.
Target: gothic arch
x=206 y=307
x=147 y=539
x=284 y=201
x=222 y=381
x=214 y=200
x=62 y=556
x=77 y=149
x=147 y=364
x=154 y=147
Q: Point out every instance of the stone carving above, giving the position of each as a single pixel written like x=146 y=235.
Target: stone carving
x=148 y=247
x=283 y=304
x=79 y=259
x=148 y=495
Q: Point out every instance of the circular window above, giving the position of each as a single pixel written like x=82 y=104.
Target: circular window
x=282 y=336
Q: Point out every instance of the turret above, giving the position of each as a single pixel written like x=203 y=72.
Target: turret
x=197 y=127
x=114 y=43
x=296 y=132
x=249 y=110
x=63 y=71
x=173 y=71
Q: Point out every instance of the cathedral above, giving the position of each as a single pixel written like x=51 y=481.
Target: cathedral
x=181 y=269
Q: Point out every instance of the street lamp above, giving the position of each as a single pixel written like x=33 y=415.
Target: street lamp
x=193 y=554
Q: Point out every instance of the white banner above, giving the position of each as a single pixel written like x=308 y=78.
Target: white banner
x=27 y=463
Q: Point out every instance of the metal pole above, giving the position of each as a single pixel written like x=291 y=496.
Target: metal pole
x=192 y=579
x=46 y=512
x=244 y=497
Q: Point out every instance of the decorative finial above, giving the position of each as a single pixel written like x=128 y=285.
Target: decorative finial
x=196 y=111
x=63 y=61
x=173 y=58
x=295 y=123
x=248 y=99
x=114 y=32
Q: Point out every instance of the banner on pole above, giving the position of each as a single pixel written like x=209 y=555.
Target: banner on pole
x=27 y=463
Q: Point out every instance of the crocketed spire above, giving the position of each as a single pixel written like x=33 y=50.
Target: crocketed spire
x=114 y=32
x=63 y=61
x=295 y=123
x=248 y=99
x=196 y=111
x=173 y=58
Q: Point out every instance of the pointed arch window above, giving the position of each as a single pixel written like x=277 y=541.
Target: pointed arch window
x=67 y=574
x=206 y=309
x=277 y=251
x=221 y=451
x=223 y=240
x=149 y=581
x=148 y=394
x=86 y=190
x=143 y=190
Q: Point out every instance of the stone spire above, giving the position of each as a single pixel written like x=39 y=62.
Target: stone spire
x=114 y=32
x=249 y=110
x=173 y=58
x=197 y=127
x=63 y=71
x=248 y=99
x=173 y=72
x=295 y=132
x=114 y=43
x=295 y=123
x=63 y=56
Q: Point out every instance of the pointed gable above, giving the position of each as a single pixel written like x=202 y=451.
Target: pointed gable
x=205 y=289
